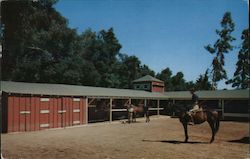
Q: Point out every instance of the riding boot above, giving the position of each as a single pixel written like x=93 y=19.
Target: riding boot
x=191 y=120
x=191 y=123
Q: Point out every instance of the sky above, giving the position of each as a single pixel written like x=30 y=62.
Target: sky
x=162 y=33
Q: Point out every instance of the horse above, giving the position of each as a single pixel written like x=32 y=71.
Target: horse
x=134 y=110
x=201 y=116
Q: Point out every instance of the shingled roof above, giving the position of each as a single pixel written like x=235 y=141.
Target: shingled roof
x=216 y=94
x=147 y=78
x=74 y=90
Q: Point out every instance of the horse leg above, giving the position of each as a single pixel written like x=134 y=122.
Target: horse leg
x=214 y=123
x=133 y=117
x=186 y=131
x=147 y=120
x=212 y=126
x=147 y=117
x=217 y=125
x=130 y=117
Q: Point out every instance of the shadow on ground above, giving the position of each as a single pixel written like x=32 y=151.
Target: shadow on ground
x=176 y=142
x=244 y=140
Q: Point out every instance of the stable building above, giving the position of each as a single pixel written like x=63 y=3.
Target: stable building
x=38 y=106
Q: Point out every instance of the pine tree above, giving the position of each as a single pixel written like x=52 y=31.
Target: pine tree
x=241 y=75
x=221 y=46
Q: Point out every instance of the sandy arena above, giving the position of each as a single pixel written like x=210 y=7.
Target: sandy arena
x=162 y=138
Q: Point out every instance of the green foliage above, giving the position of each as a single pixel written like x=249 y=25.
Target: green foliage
x=35 y=66
x=40 y=47
x=202 y=83
x=178 y=82
x=166 y=76
x=221 y=46
x=174 y=83
x=190 y=85
x=28 y=25
x=241 y=75
x=130 y=68
x=145 y=70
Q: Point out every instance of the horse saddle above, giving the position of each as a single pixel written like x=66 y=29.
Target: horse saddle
x=131 y=110
x=192 y=114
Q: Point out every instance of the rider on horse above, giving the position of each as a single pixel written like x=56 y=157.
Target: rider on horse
x=195 y=105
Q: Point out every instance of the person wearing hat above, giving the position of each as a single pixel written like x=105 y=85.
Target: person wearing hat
x=195 y=100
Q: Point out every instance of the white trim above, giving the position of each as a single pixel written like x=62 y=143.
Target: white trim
x=118 y=110
x=121 y=110
x=76 y=122
x=24 y=112
x=76 y=110
x=61 y=111
x=76 y=99
x=44 y=125
x=44 y=99
x=155 y=108
x=44 y=111
x=237 y=115
x=92 y=106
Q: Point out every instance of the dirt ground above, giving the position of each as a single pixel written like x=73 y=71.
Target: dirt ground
x=161 y=138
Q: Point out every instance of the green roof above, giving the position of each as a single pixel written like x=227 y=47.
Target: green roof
x=73 y=90
x=216 y=94
x=147 y=78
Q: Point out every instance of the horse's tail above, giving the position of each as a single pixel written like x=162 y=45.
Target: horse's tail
x=217 y=123
x=216 y=118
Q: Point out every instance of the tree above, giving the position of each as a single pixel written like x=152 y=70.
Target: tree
x=28 y=25
x=202 y=83
x=129 y=70
x=110 y=48
x=241 y=75
x=101 y=49
x=34 y=66
x=40 y=47
x=190 y=85
x=165 y=76
x=145 y=70
x=221 y=46
x=178 y=82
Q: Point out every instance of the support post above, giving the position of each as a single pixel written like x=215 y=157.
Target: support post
x=222 y=107
x=87 y=110
x=173 y=105
x=145 y=104
x=110 y=110
x=158 y=107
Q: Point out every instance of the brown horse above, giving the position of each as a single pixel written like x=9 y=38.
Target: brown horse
x=211 y=116
x=134 y=110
